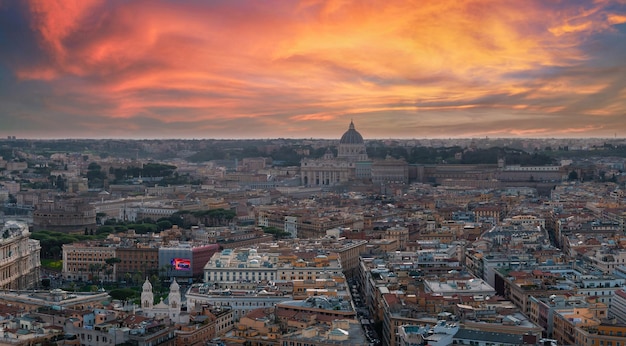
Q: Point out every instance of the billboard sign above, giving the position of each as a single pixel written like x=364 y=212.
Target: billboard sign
x=181 y=264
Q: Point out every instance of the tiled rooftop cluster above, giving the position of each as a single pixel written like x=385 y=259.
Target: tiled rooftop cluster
x=465 y=253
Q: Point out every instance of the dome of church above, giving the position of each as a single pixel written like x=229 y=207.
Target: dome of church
x=147 y=286
x=351 y=136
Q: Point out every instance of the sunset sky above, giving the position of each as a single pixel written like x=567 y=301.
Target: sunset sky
x=300 y=69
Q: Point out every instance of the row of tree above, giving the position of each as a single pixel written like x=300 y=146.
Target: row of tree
x=291 y=155
x=151 y=170
x=107 y=269
x=276 y=232
x=211 y=218
x=52 y=242
x=96 y=175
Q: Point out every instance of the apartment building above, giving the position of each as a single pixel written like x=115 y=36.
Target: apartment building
x=185 y=259
x=460 y=286
x=19 y=257
x=607 y=260
x=389 y=171
x=137 y=258
x=543 y=309
x=321 y=308
x=86 y=261
x=269 y=263
x=341 y=332
x=572 y=326
x=606 y=333
x=618 y=306
x=519 y=286
x=305 y=222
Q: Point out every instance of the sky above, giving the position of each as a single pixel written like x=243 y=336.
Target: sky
x=302 y=69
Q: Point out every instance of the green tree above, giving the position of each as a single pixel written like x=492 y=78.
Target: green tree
x=157 y=170
x=105 y=230
x=142 y=228
x=95 y=269
x=213 y=217
x=108 y=272
x=156 y=284
x=207 y=155
x=138 y=278
x=276 y=232
x=123 y=294
x=165 y=270
x=128 y=277
x=95 y=175
x=164 y=225
x=111 y=263
x=55 y=251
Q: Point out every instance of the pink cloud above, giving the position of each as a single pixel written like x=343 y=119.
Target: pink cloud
x=312 y=61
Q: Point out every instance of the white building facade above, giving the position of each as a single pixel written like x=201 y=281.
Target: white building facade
x=19 y=257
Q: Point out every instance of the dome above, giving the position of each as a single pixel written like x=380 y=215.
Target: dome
x=351 y=136
x=174 y=286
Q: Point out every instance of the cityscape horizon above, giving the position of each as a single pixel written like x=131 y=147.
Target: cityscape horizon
x=330 y=138
x=313 y=241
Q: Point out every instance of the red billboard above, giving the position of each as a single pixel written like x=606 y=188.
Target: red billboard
x=181 y=263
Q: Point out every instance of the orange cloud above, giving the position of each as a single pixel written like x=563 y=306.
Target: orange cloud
x=56 y=20
x=615 y=19
x=315 y=62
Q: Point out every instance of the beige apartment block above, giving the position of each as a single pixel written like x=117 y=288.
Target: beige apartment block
x=87 y=261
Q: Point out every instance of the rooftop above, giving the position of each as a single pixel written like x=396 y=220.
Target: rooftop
x=464 y=287
x=500 y=338
x=321 y=302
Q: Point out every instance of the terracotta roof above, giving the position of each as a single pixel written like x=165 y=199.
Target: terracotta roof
x=283 y=313
x=518 y=274
x=5 y=309
x=133 y=320
x=256 y=313
x=391 y=299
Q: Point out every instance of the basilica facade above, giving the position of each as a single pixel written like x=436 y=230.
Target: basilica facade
x=350 y=163
x=171 y=310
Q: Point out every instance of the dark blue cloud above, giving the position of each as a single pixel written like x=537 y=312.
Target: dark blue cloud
x=18 y=41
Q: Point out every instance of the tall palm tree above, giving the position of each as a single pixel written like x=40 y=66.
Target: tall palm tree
x=112 y=262
x=165 y=270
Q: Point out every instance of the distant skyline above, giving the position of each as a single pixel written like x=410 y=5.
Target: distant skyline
x=301 y=69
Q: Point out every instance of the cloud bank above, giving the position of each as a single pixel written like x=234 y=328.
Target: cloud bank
x=252 y=69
